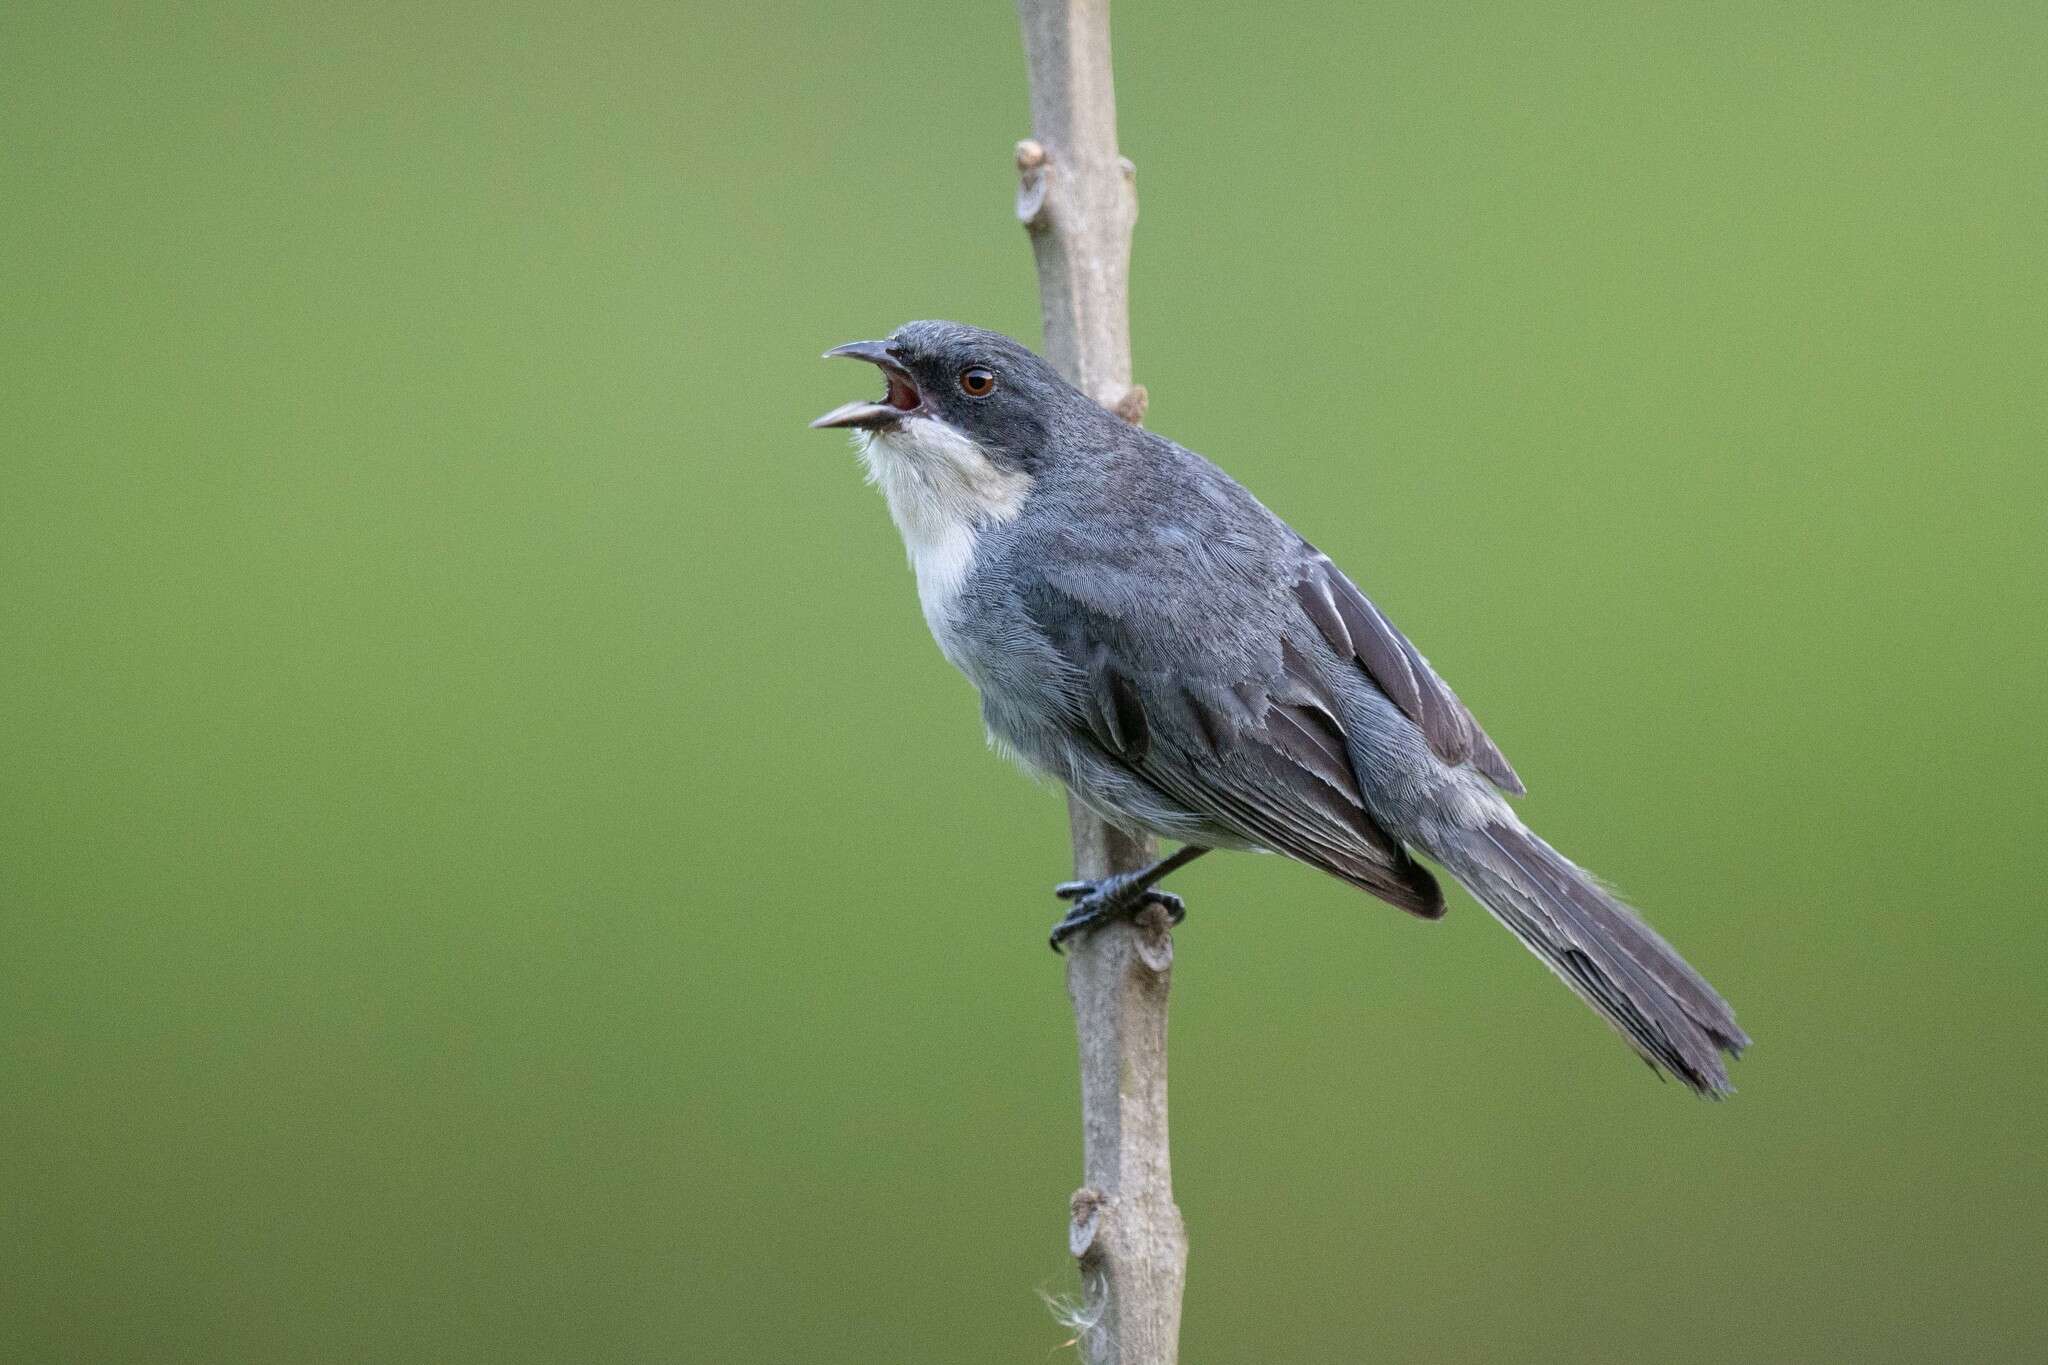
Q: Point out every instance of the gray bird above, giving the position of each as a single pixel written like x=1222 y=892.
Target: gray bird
x=1143 y=629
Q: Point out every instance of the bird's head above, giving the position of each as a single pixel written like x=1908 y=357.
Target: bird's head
x=948 y=384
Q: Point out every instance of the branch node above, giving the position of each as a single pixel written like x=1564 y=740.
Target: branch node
x=1086 y=1206
x=1131 y=404
x=1034 y=173
x=1154 y=939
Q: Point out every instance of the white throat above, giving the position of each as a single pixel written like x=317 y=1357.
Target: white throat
x=941 y=490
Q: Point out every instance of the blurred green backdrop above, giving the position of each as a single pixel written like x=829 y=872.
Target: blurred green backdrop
x=493 y=869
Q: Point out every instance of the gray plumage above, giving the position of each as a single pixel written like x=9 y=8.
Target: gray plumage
x=1143 y=629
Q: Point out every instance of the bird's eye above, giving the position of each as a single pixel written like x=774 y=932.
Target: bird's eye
x=977 y=381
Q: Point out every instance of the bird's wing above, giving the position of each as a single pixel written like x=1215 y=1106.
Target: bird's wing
x=1358 y=630
x=1263 y=756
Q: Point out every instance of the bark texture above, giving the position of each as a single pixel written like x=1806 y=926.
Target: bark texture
x=1077 y=197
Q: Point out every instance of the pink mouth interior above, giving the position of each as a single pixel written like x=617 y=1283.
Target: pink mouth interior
x=902 y=393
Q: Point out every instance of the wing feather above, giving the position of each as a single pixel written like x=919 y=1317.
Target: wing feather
x=1358 y=630
x=1269 y=761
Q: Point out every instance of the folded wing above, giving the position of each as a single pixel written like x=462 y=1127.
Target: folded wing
x=1357 y=630
x=1266 y=758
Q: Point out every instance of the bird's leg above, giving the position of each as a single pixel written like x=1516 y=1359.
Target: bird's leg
x=1126 y=893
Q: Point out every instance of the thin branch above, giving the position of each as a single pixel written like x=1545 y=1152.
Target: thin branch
x=1077 y=196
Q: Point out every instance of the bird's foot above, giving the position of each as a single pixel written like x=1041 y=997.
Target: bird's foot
x=1098 y=902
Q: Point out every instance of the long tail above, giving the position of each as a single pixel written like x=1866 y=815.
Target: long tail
x=1602 y=950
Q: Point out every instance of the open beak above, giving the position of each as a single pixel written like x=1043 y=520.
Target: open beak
x=899 y=402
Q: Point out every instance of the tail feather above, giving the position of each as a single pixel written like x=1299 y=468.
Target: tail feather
x=1603 y=951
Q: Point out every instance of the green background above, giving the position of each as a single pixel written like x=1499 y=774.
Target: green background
x=492 y=868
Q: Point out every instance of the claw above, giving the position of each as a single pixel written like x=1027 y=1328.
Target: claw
x=1095 y=902
x=1176 y=909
